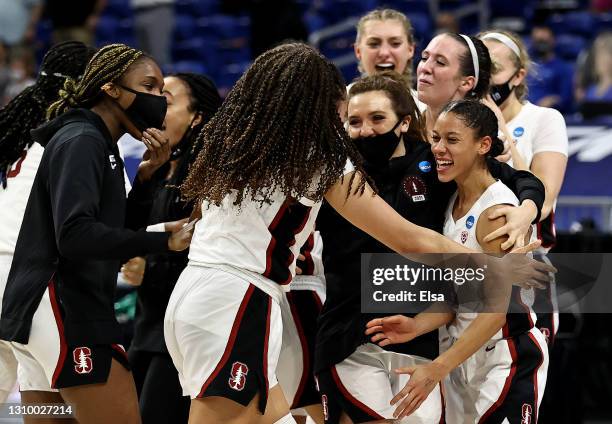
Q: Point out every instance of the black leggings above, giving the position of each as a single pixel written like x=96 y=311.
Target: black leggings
x=159 y=391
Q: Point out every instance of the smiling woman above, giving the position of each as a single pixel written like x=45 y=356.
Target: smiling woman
x=384 y=42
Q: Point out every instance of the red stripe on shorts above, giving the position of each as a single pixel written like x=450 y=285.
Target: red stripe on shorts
x=507 y=384
x=352 y=399
x=60 y=328
x=231 y=340
x=535 y=378
x=305 y=356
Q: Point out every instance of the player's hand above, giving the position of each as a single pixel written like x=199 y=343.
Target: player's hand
x=518 y=269
x=517 y=227
x=174 y=226
x=180 y=239
x=133 y=271
x=157 y=153
x=423 y=379
x=392 y=330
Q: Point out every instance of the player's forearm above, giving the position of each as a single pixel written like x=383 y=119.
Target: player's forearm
x=433 y=318
x=479 y=332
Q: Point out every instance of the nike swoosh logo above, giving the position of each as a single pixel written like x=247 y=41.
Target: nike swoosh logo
x=489 y=349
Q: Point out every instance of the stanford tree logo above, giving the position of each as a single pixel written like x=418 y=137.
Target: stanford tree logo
x=82 y=360
x=238 y=376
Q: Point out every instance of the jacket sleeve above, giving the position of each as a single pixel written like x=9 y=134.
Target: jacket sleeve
x=139 y=204
x=75 y=184
x=523 y=183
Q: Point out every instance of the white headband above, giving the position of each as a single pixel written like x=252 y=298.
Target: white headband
x=474 y=55
x=505 y=40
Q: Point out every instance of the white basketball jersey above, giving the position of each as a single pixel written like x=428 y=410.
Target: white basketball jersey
x=258 y=241
x=538 y=129
x=463 y=231
x=14 y=198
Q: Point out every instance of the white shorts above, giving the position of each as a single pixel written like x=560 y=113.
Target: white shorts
x=300 y=310
x=502 y=382
x=8 y=362
x=36 y=360
x=224 y=336
x=47 y=362
x=364 y=383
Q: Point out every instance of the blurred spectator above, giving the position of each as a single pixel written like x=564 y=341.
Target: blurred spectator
x=153 y=26
x=601 y=6
x=446 y=22
x=18 y=20
x=22 y=68
x=601 y=90
x=551 y=85
x=272 y=21
x=74 y=20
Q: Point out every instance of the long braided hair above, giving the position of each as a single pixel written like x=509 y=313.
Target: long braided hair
x=27 y=110
x=278 y=130
x=107 y=65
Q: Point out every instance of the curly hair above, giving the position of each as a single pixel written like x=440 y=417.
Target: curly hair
x=107 y=65
x=277 y=131
x=27 y=110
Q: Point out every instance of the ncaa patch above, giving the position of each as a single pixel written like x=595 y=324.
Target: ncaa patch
x=425 y=166
x=82 y=360
x=464 y=236
x=415 y=188
x=518 y=131
x=469 y=223
x=237 y=379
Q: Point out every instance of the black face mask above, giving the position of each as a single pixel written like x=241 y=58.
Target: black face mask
x=147 y=110
x=378 y=149
x=542 y=49
x=499 y=93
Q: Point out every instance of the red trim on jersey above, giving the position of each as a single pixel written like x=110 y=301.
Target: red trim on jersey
x=272 y=244
x=535 y=378
x=305 y=357
x=231 y=340
x=266 y=341
x=306 y=249
x=507 y=384
x=16 y=169
x=291 y=243
x=506 y=329
x=60 y=328
x=373 y=414
x=120 y=349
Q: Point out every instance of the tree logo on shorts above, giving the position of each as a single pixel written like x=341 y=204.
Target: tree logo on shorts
x=526 y=414
x=238 y=376
x=82 y=360
x=325 y=407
